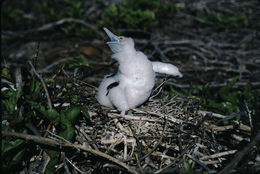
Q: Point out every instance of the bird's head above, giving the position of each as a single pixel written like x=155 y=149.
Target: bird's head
x=119 y=43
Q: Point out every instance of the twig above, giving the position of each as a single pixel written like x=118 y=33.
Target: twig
x=138 y=163
x=130 y=117
x=217 y=155
x=92 y=86
x=71 y=163
x=65 y=144
x=249 y=114
x=44 y=70
x=35 y=59
x=57 y=136
x=204 y=118
x=232 y=115
x=54 y=24
x=18 y=78
x=204 y=113
x=30 y=126
x=47 y=159
x=139 y=145
x=159 y=142
x=43 y=84
x=179 y=136
x=159 y=87
x=87 y=137
x=238 y=157
x=172 y=119
x=225 y=128
x=211 y=85
x=199 y=162
x=63 y=157
x=176 y=159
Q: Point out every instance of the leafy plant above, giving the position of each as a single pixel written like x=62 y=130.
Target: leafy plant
x=136 y=14
x=74 y=8
x=12 y=152
x=187 y=168
x=70 y=9
x=29 y=106
x=222 y=21
x=11 y=16
x=226 y=100
x=47 y=10
x=50 y=10
x=78 y=61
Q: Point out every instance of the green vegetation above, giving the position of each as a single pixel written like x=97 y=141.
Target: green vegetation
x=51 y=12
x=14 y=13
x=222 y=21
x=226 y=100
x=12 y=16
x=136 y=14
x=72 y=9
x=187 y=168
x=30 y=106
x=78 y=61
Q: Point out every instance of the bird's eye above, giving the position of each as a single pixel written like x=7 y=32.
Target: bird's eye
x=121 y=38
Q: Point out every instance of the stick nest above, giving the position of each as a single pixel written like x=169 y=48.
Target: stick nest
x=167 y=133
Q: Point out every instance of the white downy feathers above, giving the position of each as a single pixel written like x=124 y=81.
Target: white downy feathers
x=134 y=81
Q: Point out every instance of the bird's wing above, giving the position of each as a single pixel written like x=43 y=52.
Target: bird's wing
x=166 y=68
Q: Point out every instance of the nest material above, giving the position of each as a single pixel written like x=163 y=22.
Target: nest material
x=166 y=133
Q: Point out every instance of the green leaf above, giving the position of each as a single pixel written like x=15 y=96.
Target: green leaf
x=67 y=132
x=221 y=20
x=18 y=156
x=54 y=155
x=85 y=112
x=49 y=80
x=173 y=91
x=75 y=99
x=9 y=145
x=70 y=114
x=187 y=167
x=11 y=152
x=6 y=73
x=224 y=91
x=78 y=62
x=68 y=85
x=68 y=118
x=137 y=14
x=244 y=18
x=51 y=114
x=9 y=100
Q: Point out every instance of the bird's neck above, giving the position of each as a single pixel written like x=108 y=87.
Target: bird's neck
x=124 y=55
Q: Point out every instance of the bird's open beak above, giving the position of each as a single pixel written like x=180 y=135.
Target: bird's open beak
x=115 y=43
x=112 y=37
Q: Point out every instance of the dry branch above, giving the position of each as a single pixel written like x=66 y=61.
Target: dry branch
x=43 y=84
x=238 y=157
x=66 y=144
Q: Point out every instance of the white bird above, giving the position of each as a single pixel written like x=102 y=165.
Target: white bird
x=133 y=83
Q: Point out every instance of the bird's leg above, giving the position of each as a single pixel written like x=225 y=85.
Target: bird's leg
x=118 y=98
x=122 y=114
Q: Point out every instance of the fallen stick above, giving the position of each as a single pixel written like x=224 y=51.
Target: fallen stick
x=217 y=155
x=238 y=157
x=66 y=144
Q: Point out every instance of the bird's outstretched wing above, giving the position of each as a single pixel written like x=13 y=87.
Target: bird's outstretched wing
x=166 y=68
